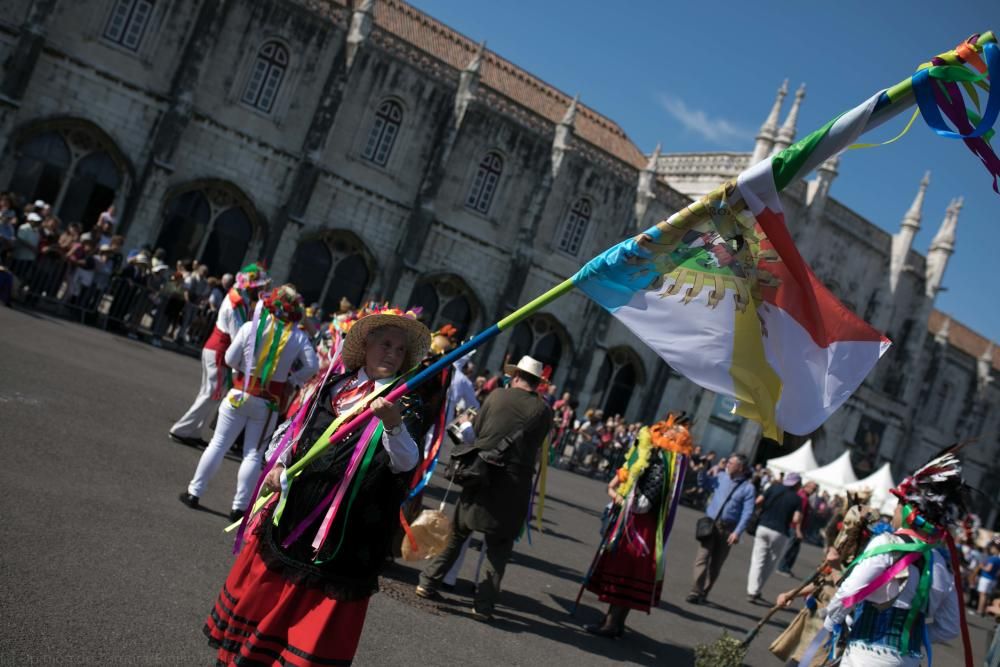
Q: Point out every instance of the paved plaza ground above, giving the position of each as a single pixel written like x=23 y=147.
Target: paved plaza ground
x=101 y=565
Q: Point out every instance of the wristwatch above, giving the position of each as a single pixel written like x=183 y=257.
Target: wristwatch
x=395 y=430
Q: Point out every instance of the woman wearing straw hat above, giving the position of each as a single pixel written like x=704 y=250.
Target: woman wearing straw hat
x=262 y=354
x=299 y=590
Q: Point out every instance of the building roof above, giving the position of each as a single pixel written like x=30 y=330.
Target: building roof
x=435 y=38
x=962 y=337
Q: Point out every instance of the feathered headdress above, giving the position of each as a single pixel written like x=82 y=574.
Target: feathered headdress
x=936 y=490
x=284 y=303
x=252 y=275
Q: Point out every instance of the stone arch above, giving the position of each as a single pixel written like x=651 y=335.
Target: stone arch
x=543 y=337
x=330 y=265
x=445 y=298
x=212 y=221
x=621 y=372
x=71 y=163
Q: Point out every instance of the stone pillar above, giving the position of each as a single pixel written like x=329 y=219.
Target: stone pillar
x=307 y=171
x=284 y=251
x=417 y=229
x=170 y=126
x=786 y=135
x=20 y=65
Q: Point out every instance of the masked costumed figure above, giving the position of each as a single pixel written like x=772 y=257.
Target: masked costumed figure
x=298 y=592
x=215 y=381
x=854 y=531
x=629 y=567
x=262 y=354
x=902 y=593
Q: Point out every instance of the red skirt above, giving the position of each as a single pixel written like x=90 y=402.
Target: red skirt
x=260 y=618
x=627 y=576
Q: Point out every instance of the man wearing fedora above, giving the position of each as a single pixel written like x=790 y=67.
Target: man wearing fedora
x=513 y=421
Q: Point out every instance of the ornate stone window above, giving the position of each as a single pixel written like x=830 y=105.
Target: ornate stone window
x=542 y=337
x=485 y=184
x=73 y=165
x=265 y=78
x=127 y=23
x=617 y=379
x=383 y=132
x=575 y=227
x=445 y=299
x=211 y=221
x=330 y=267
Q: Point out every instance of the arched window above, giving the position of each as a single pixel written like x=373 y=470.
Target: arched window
x=575 y=227
x=227 y=244
x=349 y=281
x=445 y=299
x=41 y=167
x=91 y=190
x=333 y=266
x=185 y=224
x=485 y=184
x=209 y=221
x=265 y=77
x=617 y=378
x=540 y=336
x=310 y=267
x=383 y=132
x=127 y=23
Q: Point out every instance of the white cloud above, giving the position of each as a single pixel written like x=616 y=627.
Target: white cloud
x=716 y=130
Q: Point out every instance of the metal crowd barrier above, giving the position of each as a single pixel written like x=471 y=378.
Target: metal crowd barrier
x=111 y=302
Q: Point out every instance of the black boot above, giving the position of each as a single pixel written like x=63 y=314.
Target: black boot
x=189 y=500
x=613 y=625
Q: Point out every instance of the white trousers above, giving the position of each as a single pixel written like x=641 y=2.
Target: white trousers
x=197 y=416
x=256 y=418
x=768 y=546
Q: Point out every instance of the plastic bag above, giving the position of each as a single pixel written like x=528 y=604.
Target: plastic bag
x=431 y=530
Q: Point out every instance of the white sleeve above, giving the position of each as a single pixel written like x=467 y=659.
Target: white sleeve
x=863 y=573
x=310 y=363
x=234 y=353
x=469 y=396
x=276 y=438
x=402 y=450
x=943 y=622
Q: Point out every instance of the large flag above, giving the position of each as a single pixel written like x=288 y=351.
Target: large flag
x=729 y=302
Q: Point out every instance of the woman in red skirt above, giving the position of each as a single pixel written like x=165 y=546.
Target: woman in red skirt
x=628 y=572
x=298 y=592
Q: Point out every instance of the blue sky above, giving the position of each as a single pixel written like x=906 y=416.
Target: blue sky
x=701 y=76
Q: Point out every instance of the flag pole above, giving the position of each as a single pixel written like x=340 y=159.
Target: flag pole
x=893 y=101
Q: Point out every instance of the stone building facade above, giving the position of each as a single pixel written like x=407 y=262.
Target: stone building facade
x=368 y=151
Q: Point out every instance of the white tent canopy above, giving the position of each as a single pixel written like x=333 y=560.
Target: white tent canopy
x=879 y=482
x=800 y=461
x=835 y=476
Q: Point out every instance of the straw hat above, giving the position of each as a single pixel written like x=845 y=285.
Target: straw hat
x=418 y=337
x=527 y=365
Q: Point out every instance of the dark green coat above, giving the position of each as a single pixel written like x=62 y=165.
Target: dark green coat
x=501 y=508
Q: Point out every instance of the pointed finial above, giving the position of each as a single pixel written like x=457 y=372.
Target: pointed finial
x=915 y=212
x=786 y=135
x=477 y=58
x=944 y=240
x=654 y=158
x=770 y=125
x=570 y=114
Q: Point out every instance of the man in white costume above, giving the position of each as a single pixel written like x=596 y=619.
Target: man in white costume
x=234 y=311
x=262 y=354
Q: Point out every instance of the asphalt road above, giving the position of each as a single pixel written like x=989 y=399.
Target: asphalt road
x=101 y=565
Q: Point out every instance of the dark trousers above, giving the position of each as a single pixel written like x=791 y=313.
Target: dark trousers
x=498 y=551
x=712 y=553
x=791 y=553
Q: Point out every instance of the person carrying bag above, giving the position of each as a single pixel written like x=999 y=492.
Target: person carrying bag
x=722 y=526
